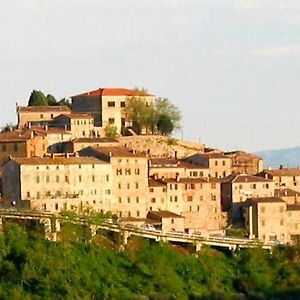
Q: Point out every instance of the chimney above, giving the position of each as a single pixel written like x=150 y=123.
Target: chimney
x=66 y=155
x=46 y=127
x=32 y=134
x=175 y=154
x=110 y=154
x=29 y=125
x=52 y=155
x=177 y=177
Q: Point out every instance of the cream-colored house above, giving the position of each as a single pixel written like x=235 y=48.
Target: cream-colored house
x=219 y=165
x=58 y=183
x=237 y=188
x=130 y=173
x=106 y=105
x=284 y=178
x=38 y=115
x=266 y=219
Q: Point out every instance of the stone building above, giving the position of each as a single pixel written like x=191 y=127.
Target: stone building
x=80 y=125
x=106 y=105
x=22 y=143
x=288 y=195
x=237 y=188
x=130 y=173
x=293 y=222
x=39 y=115
x=196 y=199
x=266 y=219
x=245 y=163
x=172 y=167
x=284 y=178
x=58 y=183
x=167 y=221
x=219 y=165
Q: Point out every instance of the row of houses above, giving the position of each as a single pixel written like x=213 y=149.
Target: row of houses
x=58 y=159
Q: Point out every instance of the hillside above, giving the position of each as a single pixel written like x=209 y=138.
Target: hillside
x=34 y=268
x=288 y=157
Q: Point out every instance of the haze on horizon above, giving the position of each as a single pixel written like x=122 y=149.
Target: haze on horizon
x=232 y=67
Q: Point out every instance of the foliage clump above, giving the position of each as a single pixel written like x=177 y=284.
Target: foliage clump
x=34 y=268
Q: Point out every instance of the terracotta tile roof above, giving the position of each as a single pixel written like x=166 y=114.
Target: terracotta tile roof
x=94 y=140
x=76 y=116
x=163 y=214
x=50 y=130
x=264 y=200
x=241 y=178
x=57 y=160
x=286 y=193
x=282 y=172
x=28 y=109
x=118 y=151
x=213 y=155
x=113 y=92
x=293 y=207
x=19 y=135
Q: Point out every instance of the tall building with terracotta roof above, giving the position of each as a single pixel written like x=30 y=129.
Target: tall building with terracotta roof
x=106 y=105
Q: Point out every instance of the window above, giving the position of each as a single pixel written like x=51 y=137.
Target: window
x=37 y=179
x=281 y=209
x=192 y=186
x=128 y=186
x=57 y=178
x=122 y=103
x=190 y=208
x=198 y=208
x=201 y=198
x=66 y=178
x=56 y=206
x=44 y=207
x=127 y=172
x=111 y=120
x=263 y=209
x=190 y=198
x=213 y=197
x=111 y=104
x=281 y=222
x=172 y=221
x=216 y=162
x=223 y=163
x=80 y=178
x=137 y=213
x=137 y=171
x=128 y=199
x=15 y=147
x=262 y=222
x=137 y=200
x=129 y=214
x=119 y=186
x=119 y=171
x=93 y=177
x=151 y=190
x=176 y=186
x=41 y=116
x=47 y=178
x=213 y=185
x=153 y=200
x=28 y=194
x=175 y=198
x=107 y=192
x=4 y=148
x=107 y=177
x=136 y=185
x=120 y=200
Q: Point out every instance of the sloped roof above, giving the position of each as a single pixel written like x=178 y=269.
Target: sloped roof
x=57 y=160
x=118 y=151
x=28 y=109
x=113 y=92
x=241 y=178
x=283 y=172
x=164 y=214
x=264 y=200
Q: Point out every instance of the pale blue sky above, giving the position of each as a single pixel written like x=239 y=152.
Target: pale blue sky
x=231 y=66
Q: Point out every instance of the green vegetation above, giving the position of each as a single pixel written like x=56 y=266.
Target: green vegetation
x=79 y=267
x=39 y=98
x=162 y=118
x=111 y=132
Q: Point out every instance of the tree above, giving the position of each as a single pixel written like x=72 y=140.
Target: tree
x=51 y=100
x=37 y=98
x=165 y=125
x=164 y=108
x=64 y=102
x=8 y=127
x=110 y=132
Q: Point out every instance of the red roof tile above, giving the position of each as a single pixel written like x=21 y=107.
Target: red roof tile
x=113 y=92
x=28 y=109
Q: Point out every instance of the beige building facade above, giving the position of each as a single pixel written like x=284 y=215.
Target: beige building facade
x=30 y=115
x=58 y=183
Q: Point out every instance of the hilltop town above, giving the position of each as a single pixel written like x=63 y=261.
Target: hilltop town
x=62 y=158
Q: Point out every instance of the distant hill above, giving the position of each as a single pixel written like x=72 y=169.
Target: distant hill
x=288 y=157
